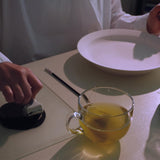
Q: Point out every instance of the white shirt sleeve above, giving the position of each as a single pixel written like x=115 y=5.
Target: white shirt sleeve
x=120 y=19
x=3 y=58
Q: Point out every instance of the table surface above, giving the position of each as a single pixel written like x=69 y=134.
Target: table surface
x=143 y=138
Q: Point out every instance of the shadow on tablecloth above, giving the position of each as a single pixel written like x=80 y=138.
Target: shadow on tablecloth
x=80 y=148
x=86 y=75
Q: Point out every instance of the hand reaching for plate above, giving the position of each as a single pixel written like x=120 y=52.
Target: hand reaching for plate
x=153 y=22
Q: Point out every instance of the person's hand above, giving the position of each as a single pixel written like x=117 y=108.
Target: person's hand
x=17 y=83
x=153 y=21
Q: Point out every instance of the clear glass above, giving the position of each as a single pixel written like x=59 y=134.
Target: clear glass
x=104 y=114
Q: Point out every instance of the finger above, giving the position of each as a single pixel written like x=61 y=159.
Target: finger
x=158 y=15
x=35 y=83
x=153 y=22
x=26 y=88
x=8 y=93
x=155 y=11
x=18 y=93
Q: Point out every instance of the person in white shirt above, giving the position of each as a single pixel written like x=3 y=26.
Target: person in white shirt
x=32 y=30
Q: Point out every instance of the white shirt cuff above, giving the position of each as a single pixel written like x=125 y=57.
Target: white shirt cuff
x=3 y=58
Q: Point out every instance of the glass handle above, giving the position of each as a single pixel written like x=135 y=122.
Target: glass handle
x=78 y=130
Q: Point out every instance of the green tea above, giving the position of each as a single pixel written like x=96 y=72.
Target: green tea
x=105 y=122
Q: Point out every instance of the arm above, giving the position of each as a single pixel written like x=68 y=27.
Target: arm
x=17 y=83
x=120 y=19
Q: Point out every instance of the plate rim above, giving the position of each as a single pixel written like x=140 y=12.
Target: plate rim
x=107 y=32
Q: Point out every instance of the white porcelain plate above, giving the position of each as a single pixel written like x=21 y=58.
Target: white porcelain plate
x=121 y=51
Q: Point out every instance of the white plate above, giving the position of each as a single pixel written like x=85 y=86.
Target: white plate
x=121 y=51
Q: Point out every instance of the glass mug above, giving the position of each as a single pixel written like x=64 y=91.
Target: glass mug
x=104 y=114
